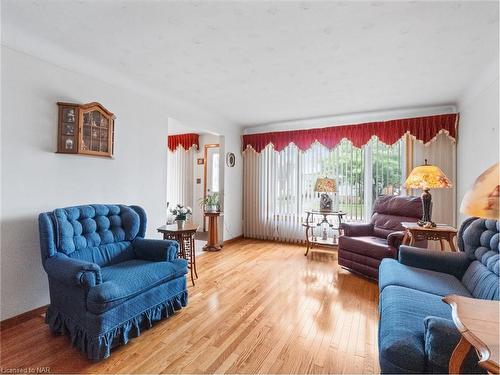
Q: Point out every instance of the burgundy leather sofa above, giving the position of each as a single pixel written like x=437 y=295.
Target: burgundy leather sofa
x=363 y=245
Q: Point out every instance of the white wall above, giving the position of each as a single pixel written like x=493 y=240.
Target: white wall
x=35 y=179
x=478 y=136
x=233 y=187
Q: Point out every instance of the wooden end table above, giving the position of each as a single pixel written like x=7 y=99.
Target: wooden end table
x=185 y=237
x=441 y=233
x=478 y=323
x=213 y=232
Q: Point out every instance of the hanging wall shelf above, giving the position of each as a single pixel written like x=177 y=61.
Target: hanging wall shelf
x=86 y=129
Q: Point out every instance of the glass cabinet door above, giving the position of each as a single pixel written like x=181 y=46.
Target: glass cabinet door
x=95 y=135
x=103 y=134
x=69 y=129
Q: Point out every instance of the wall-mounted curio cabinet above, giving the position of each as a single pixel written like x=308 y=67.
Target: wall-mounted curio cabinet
x=85 y=129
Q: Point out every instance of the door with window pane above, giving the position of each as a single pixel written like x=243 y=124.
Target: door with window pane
x=211 y=183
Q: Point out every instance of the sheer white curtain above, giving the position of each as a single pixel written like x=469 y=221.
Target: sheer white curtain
x=279 y=186
x=180 y=176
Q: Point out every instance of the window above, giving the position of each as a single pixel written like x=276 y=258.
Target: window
x=215 y=172
x=279 y=185
x=376 y=165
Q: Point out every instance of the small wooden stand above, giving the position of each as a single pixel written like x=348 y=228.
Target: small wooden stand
x=185 y=237
x=213 y=231
x=441 y=233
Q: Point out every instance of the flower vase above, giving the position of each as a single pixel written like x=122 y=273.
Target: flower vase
x=180 y=224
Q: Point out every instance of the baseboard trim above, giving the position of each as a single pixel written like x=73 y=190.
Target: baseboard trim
x=21 y=318
x=233 y=240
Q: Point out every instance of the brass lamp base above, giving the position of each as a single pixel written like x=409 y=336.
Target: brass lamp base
x=426 y=224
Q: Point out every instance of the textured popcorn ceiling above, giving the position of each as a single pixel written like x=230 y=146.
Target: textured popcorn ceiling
x=260 y=62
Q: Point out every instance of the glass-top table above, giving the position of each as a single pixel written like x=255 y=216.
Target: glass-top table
x=325 y=220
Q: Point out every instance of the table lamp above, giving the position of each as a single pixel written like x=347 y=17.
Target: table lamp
x=427 y=177
x=482 y=200
x=325 y=185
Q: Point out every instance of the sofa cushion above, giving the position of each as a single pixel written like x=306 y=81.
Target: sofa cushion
x=441 y=338
x=390 y=210
x=481 y=282
x=83 y=227
x=394 y=273
x=106 y=255
x=481 y=236
x=401 y=328
x=481 y=243
x=125 y=280
x=370 y=246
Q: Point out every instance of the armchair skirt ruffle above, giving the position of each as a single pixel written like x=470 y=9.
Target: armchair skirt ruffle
x=98 y=346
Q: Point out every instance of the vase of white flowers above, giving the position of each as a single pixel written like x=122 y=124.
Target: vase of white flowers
x=181 y=214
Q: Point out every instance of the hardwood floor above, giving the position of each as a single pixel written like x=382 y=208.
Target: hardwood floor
x=258 y=307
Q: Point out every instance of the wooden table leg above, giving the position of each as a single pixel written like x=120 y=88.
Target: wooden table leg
x=458 y=356
x=406 y=239
x=307 y=240
x=192 y=270
x=412 y=240
x=194 y=256
x=452 y=244
x=441 y=244
x=307 y=234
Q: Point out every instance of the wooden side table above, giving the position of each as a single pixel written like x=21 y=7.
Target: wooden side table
x=478 y=323
x=185 y=237
x=441 y=233
x=213 y=232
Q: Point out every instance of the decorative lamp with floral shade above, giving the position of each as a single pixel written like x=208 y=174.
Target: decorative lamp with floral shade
x=482 y=200
x=325 y=185
x=427 y=177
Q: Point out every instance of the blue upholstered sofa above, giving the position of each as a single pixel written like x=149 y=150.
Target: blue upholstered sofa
x=107 y=283
x=416 y=331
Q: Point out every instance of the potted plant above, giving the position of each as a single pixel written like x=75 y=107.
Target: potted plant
x=210 y=203
x=181 y=214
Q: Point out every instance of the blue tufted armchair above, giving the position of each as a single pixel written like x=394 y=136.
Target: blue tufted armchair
x=107 y=283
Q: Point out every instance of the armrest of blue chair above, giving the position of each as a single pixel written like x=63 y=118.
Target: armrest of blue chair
x=72 y=272
x=441 y=338
x=155 y=250
x=446 y=262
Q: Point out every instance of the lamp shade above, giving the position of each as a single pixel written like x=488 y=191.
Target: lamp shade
x=482 y=200
x=325 y=185
x=427 y=177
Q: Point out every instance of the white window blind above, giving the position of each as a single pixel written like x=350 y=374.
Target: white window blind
x=180 y=174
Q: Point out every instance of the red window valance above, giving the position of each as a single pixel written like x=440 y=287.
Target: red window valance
x=423 y=129
x=185 y=140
